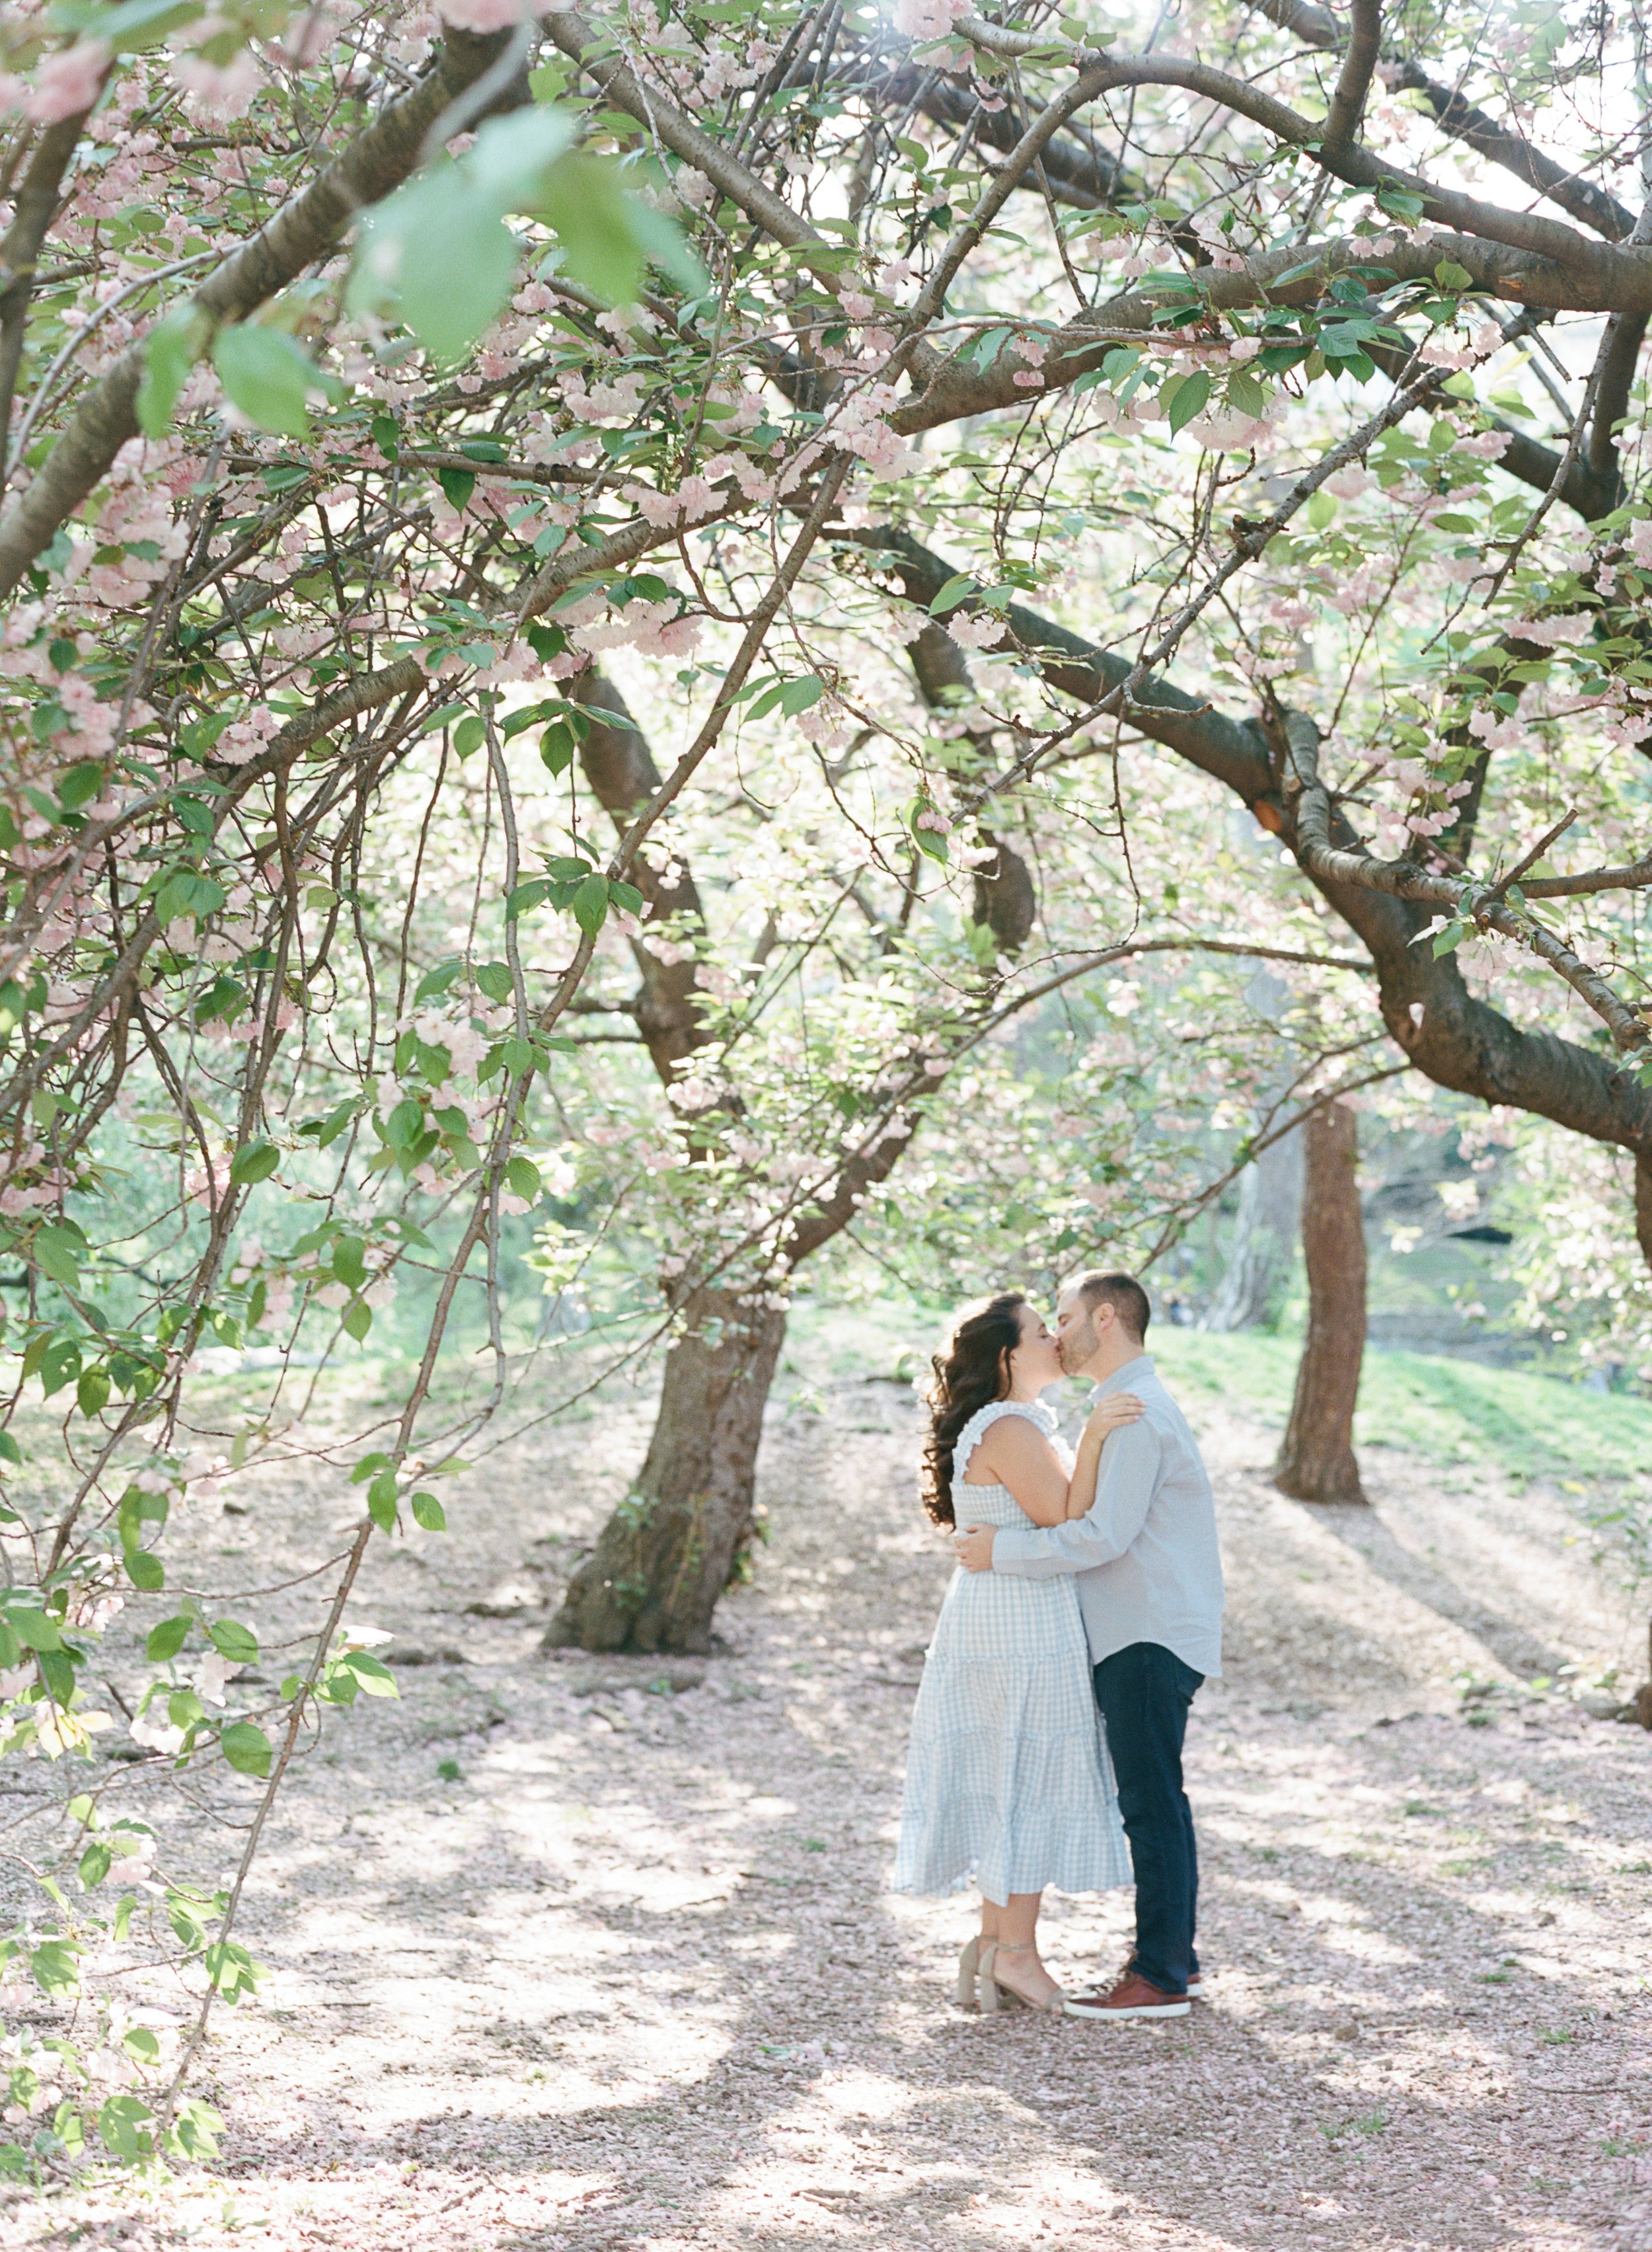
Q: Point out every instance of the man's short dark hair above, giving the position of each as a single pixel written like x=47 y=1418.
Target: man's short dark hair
x=1124 y=1293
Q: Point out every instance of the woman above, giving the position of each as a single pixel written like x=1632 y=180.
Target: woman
x=1007 y=1776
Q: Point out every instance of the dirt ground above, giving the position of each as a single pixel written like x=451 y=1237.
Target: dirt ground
x=630 y=1975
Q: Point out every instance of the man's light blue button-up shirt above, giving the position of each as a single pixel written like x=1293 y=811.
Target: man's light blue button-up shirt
x=1145 y=1555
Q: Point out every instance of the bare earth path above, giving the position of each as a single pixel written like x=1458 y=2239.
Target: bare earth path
x=634 y=1979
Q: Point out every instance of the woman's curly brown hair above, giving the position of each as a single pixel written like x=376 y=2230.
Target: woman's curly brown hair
x=973 y=1369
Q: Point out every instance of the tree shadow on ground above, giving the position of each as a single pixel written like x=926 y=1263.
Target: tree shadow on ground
x=917 y=2119
x=1361 y=1528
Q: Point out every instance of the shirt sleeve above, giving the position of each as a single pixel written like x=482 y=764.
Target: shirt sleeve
x=1131 y=1461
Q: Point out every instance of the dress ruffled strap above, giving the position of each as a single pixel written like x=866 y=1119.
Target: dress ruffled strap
x=979 y=1424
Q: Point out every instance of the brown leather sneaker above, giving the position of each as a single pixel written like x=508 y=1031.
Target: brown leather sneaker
x=1131 y=1998
x=1195 y=1984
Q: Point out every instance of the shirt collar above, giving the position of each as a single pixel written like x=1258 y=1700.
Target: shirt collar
x=1123 y=1379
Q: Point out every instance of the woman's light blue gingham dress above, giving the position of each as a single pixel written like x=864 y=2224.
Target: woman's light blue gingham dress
x=1008 y=1778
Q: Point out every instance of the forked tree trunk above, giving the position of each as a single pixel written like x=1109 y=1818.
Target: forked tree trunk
x=1316 y=1458
x=666 y=1554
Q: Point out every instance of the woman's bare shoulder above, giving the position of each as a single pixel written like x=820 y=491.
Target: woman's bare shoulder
x=1012 y=1442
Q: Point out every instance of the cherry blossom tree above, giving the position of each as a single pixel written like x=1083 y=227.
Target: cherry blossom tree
x=985 y=458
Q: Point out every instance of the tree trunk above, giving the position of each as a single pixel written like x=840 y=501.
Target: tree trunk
x=666 y=1554
x=1259 y=1259
x=1316 y=1458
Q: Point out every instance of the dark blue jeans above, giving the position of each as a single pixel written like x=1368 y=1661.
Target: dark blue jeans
x=1144 y=1692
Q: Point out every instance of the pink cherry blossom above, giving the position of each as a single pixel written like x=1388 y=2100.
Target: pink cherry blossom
x=68 y=81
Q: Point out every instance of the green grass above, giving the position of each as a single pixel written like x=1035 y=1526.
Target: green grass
x=1447 y=1410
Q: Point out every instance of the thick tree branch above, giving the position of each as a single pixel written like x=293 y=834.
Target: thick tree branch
x=1619 y=359
x=1310 y=812
x=1452 y=1038
x=1076 y=172
x=960 y=388
x=1591 y=205
x=668 y=125
x=1359 y=66
x=1500 y=144
x=32 y=213
x=1232 y=752
x=305 y=228
x=618 y=766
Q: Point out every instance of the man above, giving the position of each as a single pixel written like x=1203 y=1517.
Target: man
x=1149 y=1578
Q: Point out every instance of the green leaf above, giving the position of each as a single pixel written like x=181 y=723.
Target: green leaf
x=56 y=1250
x=246 y=1748
x=387 y=436
x=255 y=1163
x=405 y=1124
x=980 y=351
x=522 y=1177
x=930 y=842
x=666 y=246
x=590 y=905
x=81 y=784
x=196 y=2128
x=1399 y=203
x=34 y=1629
x=267 y=374
x=458 y=485
x=144 y=1570
x=375 y=1677
x=470 y=734
x=438 y=255
x=595 y=221
x=128 y=28
x=55 y=1967
x=437 y=981
x=233 y=1640
x=1245 y=394
x=92 y=1392
x=494 y=979
x=1192 y=395
x=429 y=1512
x=802 y=695
x=951 y=594
x=123 y=2125
x=513 y=154
x=358 y=1319
x=169 y=351
x=166 y=1640
x=557 y=746
x=1321 y=510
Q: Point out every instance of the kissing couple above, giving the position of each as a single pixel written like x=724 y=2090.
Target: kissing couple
x=1086 y=1614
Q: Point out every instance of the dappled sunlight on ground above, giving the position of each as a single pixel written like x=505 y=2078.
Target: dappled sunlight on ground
x=627 y=1974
